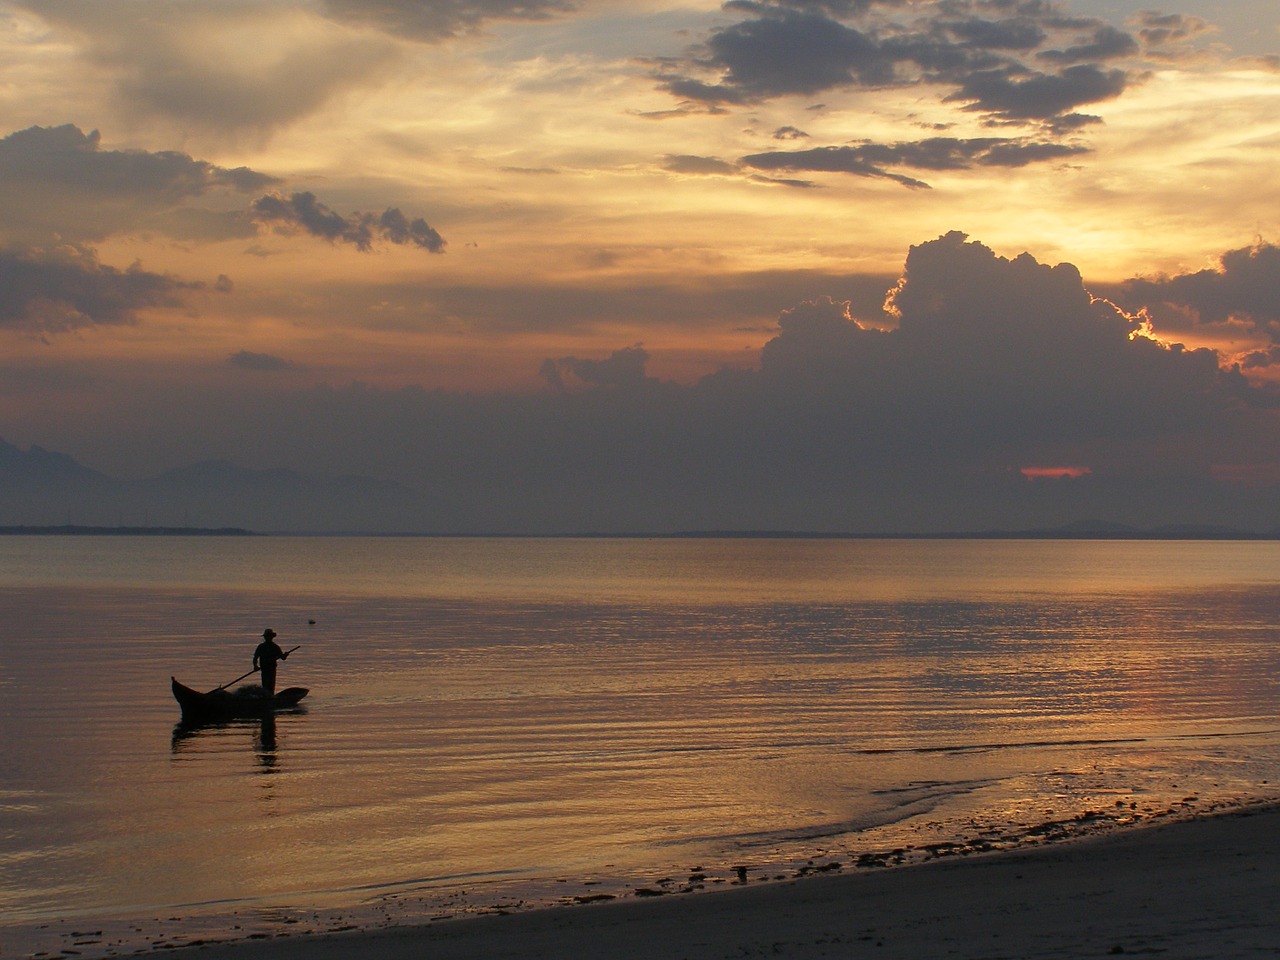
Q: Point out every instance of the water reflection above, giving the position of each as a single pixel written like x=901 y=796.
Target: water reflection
x=190 y=740
x=558 y=708
x=266 y=743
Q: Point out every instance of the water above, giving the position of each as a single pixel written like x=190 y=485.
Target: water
x=496 y=723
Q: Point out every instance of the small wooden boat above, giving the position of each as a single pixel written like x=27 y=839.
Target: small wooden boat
x=220 y=705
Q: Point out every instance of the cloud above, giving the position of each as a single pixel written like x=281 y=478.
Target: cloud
x=788 y=52
x=1003 y=93
x=1244 y=287
x=62 y=289
x=1169 y=34
x=827 y=160
x=266 y=362
x=439 y=19
x=1012 y=33
x=301 y=211
x=223 y=66
x=996 y=366
x=935 y=153
x=1107 y=43
x=59 y=181
x=698 y=166
x=67 y=156
x=973 y=53
x=623 y=368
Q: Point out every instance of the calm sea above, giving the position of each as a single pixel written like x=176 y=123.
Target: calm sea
x=495 y=723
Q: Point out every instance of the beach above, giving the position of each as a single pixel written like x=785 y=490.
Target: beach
x=1205 y=887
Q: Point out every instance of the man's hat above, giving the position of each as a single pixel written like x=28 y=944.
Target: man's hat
x=268 y=634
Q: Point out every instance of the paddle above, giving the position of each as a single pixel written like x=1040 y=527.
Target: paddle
x=254 y=670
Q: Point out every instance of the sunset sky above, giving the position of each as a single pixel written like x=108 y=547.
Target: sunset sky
x=592 y=264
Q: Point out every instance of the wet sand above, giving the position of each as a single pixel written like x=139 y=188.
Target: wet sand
x=1206 y=887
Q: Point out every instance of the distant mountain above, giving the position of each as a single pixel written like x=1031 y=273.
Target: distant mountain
x=41 y=488
x=40 y=466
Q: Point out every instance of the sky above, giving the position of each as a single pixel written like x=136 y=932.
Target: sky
x=570 y=265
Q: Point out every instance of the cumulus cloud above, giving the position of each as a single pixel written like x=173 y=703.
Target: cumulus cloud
x=1244 y=287
x=998 y=369
x=61 y=289
x=991 y=353
x=303 y=212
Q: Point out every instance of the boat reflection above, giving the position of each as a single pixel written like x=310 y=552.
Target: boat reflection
x=193 y=739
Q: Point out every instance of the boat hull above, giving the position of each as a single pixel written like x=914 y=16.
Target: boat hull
x=221 y=705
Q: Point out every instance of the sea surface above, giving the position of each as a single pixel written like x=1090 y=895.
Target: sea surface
x=496 y=724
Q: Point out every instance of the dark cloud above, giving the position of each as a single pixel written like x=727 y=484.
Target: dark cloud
x=57 y=290
x=789 y=133
x=433 y=20
x=1161 y=30
x=689 y=88
x=59 y=181
x=786 y=182
x=787 y=52
x=934 y=153
x=70 y=158
x=1107 y=43
x=302 y=211
x=994 y=365
x=828 y=160
x=835 y=8
x=978 y=54
x=1259 y=359
x=1015 y=33
x=623 y=368
x=247 y=360
x=1011 y=96
x=1244 y=288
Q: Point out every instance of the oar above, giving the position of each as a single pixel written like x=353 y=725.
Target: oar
x=254 y=670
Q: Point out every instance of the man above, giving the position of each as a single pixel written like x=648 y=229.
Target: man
x=265 y=658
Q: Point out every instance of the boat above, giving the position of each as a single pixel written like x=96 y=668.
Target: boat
x=220 y=705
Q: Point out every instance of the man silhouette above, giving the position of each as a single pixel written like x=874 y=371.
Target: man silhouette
x=265 y=658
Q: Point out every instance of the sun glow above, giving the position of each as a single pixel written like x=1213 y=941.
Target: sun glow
x=1055 y=473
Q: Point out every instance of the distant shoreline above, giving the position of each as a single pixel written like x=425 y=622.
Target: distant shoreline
x=1065 y=533
x=78 y=530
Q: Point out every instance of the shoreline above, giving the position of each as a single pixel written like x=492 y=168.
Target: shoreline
x=1199 y=886
x=1196 y=888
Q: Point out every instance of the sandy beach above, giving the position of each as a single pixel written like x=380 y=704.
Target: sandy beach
x=1206 y=887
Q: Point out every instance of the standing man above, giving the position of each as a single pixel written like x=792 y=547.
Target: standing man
x=265 y=657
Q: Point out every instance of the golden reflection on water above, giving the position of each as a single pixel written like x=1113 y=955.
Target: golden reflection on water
x=544 y=709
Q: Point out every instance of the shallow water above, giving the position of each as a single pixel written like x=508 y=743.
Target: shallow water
x=497 y=721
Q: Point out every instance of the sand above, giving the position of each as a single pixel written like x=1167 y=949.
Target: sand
x=1207 y=887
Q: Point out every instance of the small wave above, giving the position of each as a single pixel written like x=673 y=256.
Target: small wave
x=1071 y=742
